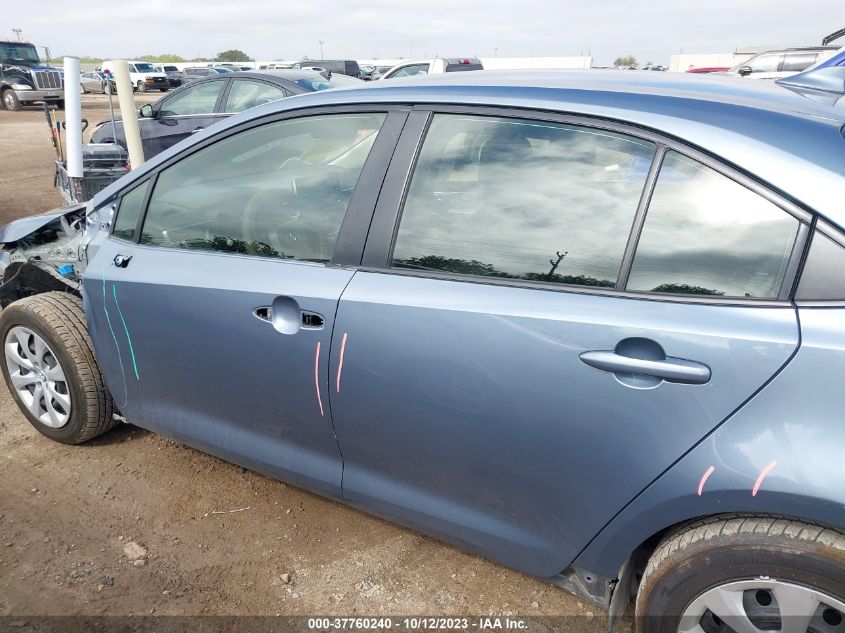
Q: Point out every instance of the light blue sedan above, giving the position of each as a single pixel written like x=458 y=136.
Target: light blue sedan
x=590 y=325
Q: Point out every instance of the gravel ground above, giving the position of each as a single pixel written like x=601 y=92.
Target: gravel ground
x=217 y=539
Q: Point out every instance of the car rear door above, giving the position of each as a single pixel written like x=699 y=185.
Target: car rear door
x=181 y=114
x=508 y=370
x=212 y=303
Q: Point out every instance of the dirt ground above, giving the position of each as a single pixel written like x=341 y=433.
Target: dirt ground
x=220 y=540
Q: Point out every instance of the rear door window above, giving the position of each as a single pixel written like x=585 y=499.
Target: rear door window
x=707 y=235
x=522 y=200
x=249 y=93
x=796 y=62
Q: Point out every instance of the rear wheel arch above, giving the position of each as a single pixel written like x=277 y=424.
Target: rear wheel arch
x=633 y=568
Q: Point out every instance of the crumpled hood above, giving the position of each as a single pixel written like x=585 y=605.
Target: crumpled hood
x=19 y=229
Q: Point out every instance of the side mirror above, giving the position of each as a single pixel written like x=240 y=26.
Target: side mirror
x=146 y=111
x=744 y=71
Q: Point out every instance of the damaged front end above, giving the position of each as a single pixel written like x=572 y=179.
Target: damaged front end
x=43 y=253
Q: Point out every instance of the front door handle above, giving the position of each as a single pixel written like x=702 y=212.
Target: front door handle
x=287 y=317
x=644 y=357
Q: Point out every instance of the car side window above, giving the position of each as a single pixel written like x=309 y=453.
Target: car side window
x=823 y=278
x=765 y=63
x=249 y=93
x=796 y=62
x=707 y=235
x=128 y=212
x=276 y=190
x=410 y=71
x=523 y=200
x=198 y=99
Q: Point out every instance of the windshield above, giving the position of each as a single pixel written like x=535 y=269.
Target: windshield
x=221 y=69
x=13 y=53
x=146 y=68
x=318 y=82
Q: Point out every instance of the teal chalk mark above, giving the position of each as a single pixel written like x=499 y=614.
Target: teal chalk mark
x=126 y=329
x=114 y=336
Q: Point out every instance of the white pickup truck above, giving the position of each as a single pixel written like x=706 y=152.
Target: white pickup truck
x=143 y=75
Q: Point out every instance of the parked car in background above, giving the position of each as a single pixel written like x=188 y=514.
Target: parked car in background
x=378 y=71
x=343 y=66
x=433 y=66
x=199 y=104
x=781 y=63
x=193 y=73
x=593 y=330
x=97 y=81
x=174 y=75
x=143 y=75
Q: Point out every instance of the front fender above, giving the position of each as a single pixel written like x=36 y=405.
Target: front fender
x=781 y=453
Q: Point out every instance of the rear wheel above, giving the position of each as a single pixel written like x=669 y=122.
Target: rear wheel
x=51 y=370
x=743 y=575
x=11 y=101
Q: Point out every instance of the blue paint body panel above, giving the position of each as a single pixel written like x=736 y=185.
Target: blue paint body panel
x=465 y=410
x=796 y=420
x=210 y=372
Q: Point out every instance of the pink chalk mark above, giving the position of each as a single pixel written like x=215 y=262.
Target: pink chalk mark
x=704 y=479
x=762 y=476
x=317 y=377
x=340 y=361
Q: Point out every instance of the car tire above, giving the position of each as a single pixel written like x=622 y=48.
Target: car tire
x=142 y=87
x=743 y=564
x=11 y=101
x=60 y=104
x=57 y=319
x=163 y=89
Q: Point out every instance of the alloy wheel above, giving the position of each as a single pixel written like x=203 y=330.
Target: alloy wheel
x=37 y=377
x=763 y=604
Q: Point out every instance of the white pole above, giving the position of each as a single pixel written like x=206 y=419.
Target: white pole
x=73 y=118
x=128 y=113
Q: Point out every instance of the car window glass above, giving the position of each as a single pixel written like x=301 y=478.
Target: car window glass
x=823 y=278
x=277 y=190
x=796 y=62
x=197 y=99
x=247 y=93
x=128 y=212
x=518 y=199
x=706 y=234
x=409 y=71
x=765 y=63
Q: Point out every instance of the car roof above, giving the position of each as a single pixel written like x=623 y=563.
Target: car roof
x=789 y=139
x=280 y=73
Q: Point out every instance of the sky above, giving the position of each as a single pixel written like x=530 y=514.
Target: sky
x=266 y=29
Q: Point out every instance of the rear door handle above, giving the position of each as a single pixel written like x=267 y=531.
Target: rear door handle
x=645 y=358
x=671 y=369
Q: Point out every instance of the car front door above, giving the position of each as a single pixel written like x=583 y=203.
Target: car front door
x=212 y=321
x=508 y=375
x=181 y=114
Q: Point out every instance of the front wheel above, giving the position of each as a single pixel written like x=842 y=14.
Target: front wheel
x=51 y=370
x=11 y=101
x=745 y=574
x=142 y=87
